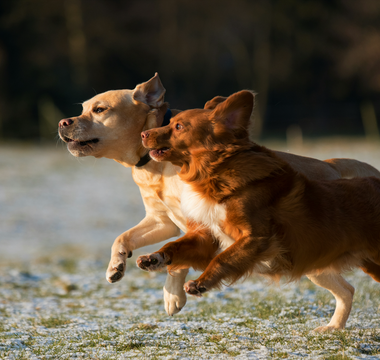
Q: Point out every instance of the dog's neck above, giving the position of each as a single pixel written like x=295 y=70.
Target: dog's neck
x=217 y=174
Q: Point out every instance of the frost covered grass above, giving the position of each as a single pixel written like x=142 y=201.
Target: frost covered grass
x=48 y=313
x=59 y=219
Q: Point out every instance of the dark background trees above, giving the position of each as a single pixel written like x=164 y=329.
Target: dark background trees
x=314 y=63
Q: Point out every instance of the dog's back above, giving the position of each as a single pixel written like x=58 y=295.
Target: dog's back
x=333 y=224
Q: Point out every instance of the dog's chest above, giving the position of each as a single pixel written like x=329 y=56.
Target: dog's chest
x=211 y=215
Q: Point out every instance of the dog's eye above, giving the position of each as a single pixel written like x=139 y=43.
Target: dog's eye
x=179 y=126
x=98 y=110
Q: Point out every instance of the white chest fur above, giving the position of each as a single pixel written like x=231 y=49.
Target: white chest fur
x=211 y=215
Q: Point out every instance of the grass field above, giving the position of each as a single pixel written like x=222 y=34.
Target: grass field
x=59 y=217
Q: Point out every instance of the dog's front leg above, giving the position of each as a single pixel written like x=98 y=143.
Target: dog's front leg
x=174 y=294
x=194 y=249
x=152 y=229
x=233 y=263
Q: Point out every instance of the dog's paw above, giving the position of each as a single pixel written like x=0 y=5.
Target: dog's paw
x=153 y=262
x=192 y=287
x=116 y=267
x=115 y=273
x=174 y=300
x=326 y=329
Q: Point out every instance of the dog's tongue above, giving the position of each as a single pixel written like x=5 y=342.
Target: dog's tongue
x=161 y=151
x=158 y=152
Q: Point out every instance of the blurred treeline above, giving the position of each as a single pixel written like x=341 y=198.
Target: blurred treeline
x=314 y=63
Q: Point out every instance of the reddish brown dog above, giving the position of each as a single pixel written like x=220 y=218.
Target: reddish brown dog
x=110 y=126
x=267 y=218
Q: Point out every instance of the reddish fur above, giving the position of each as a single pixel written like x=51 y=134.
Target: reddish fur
x=371 y=269
x=197 y=243
x=273 y=213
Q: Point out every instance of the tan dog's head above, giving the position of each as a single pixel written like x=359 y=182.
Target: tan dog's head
x=111 y=122
x=192 y=132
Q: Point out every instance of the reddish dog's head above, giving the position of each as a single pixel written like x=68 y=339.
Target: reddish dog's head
x=194 y=131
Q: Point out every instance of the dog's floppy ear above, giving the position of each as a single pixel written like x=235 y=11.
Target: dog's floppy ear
x=233 y=114
x=151 y=92
x=211 y=104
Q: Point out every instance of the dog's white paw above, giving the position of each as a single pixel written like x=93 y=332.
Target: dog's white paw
x=326 y=329
x=174 y=295
x=174 y=302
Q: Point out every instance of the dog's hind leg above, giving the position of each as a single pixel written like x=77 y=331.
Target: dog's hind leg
x=343 y=293
x=372 y=269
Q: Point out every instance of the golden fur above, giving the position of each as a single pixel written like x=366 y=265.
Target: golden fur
x=116 y=131
x=280 y=222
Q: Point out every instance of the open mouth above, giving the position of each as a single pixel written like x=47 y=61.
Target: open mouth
x=81 y=143
x=157 y=153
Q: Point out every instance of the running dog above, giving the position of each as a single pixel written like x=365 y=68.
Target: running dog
x=110 y=126
x=249 y=211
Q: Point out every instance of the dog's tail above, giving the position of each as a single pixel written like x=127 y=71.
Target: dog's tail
x=350 y=168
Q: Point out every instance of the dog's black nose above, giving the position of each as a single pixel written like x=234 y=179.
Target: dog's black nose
x=145 y=134
x=65 y=122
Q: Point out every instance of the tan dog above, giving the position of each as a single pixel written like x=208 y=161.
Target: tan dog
x=110 y=126
x=244 y=199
